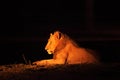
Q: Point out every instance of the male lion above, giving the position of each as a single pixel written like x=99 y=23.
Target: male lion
x=66 y=51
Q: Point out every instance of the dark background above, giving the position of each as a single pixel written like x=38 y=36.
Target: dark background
x=25 y=27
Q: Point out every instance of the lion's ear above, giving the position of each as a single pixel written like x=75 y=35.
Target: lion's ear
x=58 y=35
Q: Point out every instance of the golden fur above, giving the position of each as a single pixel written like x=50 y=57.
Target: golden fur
x=66 y=51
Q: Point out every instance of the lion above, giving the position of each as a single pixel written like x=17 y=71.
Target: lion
x=66 y=51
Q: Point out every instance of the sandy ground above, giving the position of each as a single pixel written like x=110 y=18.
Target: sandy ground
x=60 y=72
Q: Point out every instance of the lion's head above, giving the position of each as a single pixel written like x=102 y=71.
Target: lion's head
x=53 y=42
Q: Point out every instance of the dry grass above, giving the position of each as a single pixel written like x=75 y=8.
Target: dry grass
x=60 y=72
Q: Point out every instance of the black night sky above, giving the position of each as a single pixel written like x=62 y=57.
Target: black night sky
x=25 y=27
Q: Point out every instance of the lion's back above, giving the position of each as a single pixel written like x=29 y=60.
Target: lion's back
x=81 y=55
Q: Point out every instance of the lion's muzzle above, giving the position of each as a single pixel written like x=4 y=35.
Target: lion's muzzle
x=50 y=52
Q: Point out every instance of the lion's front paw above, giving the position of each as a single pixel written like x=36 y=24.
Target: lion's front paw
x=36 y=63
x=42 y=62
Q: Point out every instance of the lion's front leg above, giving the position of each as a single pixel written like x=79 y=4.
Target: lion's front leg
x=42 y=62
x=49 y=62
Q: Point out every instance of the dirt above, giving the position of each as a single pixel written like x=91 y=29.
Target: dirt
x=60 y=72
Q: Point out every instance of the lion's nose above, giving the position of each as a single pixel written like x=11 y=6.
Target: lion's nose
x=46 y=48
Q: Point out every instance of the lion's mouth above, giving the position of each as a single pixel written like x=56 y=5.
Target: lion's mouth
x=50 y=52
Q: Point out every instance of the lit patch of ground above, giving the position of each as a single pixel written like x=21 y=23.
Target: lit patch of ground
x=60 y=72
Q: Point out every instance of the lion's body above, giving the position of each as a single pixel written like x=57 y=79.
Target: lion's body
x=66 y=51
